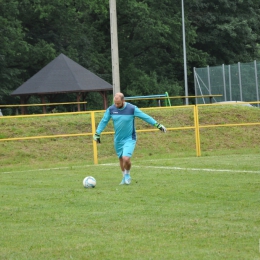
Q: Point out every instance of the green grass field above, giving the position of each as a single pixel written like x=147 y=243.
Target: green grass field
x=188 y=208
x=178 y=206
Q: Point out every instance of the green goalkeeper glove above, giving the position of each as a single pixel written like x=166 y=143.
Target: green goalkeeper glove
x=96 y=138
x=160 y=127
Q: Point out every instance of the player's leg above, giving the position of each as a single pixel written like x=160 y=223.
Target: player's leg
x=126 y=162
x=127 y=166
x=128 y=150
x=119 y=151
x=121 y=162
x=124 y=152
x=123 y=170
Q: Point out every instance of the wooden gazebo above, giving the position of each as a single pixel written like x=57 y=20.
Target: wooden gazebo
x=62 y=75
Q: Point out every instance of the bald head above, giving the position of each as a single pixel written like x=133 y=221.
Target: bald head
x=119 y=100
x=119 y=96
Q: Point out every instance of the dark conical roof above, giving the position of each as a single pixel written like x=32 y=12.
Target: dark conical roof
x=60 y=76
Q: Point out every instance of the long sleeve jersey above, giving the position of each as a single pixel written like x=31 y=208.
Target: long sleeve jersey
x=123 y=121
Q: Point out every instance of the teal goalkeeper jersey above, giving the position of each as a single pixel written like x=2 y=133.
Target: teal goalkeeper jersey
x=123 y=121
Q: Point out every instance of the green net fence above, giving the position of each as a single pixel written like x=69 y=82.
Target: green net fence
x=236 y=82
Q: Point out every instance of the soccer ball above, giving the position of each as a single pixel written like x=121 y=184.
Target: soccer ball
x=89 y=182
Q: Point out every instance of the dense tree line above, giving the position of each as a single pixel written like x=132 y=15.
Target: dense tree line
x=34 y=32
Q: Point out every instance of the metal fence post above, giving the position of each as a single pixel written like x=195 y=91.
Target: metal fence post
x=230 y=87
x=256 y=83
x=195 y=85
x=197 y=129
x=209 y=80
x=240 y=82
x=224 y=82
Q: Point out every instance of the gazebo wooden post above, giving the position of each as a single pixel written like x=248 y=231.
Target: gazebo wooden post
x=22 y=98
x=104 y=96
x=84 y=95
x=78 y=100
x=43 y=107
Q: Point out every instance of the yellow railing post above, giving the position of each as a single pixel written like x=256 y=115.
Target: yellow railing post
x=197 y=130
x=195 y=123
x=93 y=125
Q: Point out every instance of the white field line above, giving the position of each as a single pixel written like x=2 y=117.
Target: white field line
x=186 y=169
x=50 y=169
x=139 y=166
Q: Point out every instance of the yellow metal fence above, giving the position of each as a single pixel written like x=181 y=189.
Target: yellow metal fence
x=196 y=125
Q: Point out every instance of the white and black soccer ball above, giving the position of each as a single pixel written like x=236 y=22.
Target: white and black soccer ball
x=89 y=182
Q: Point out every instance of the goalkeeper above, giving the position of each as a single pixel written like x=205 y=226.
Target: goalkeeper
x=123 y=115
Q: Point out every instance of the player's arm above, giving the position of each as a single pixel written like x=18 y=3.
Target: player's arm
x=101 y=126
x=148 y=119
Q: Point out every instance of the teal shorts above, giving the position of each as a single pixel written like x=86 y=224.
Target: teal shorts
x=125 y=148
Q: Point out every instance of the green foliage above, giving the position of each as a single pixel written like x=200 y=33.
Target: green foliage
x=12 y=48
x=148 y=44
x=149 y=34
x=227 y=30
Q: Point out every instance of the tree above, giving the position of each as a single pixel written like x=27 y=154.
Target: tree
x=13 y=48
x=149 y=34
x=227 y=30
x=151 y=48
